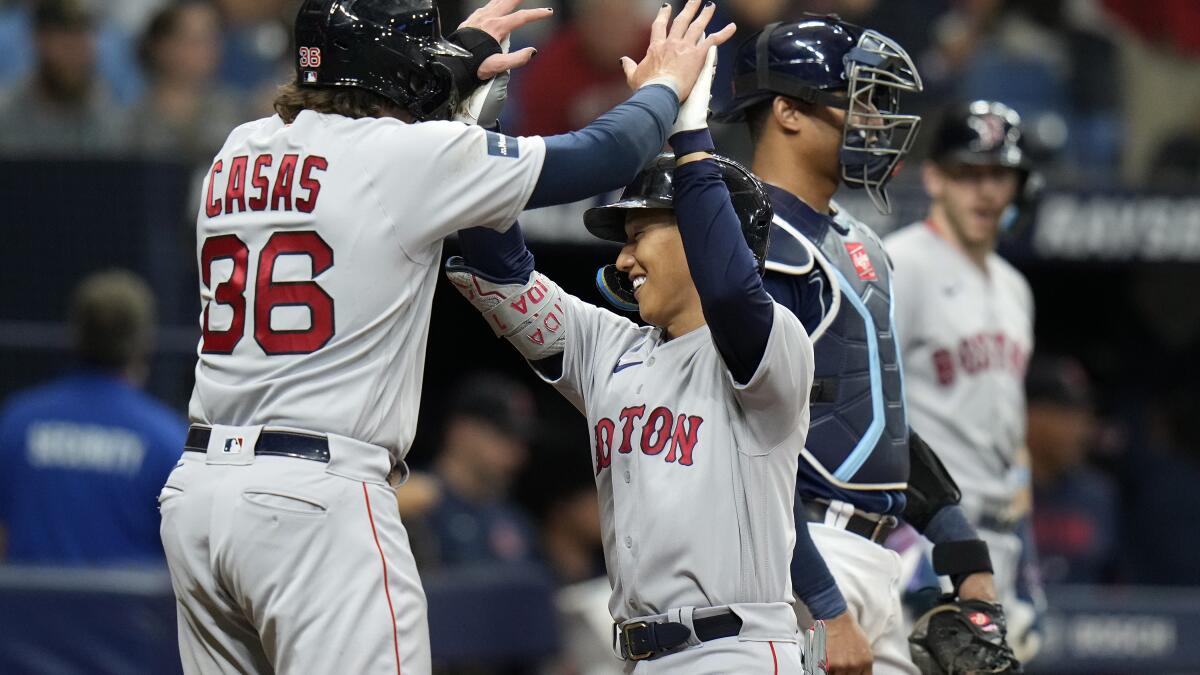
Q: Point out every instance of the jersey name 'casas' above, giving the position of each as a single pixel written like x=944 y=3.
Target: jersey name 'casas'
x=318 y=247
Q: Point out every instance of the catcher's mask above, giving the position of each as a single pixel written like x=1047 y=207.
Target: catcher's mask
x=823 y=60
x=653 y=188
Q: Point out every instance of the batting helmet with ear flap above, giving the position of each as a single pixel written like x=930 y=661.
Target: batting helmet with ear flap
x=653 y=188
x=394 y=48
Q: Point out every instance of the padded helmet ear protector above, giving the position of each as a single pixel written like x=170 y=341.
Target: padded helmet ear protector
x=822 y=60
x=653 y=188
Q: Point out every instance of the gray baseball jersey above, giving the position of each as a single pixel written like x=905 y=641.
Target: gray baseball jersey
x=965 y=338
x=695 y=473
x=319 y=244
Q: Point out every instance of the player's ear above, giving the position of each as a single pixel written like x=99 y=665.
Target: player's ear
x=933 y=178
x=787 y=114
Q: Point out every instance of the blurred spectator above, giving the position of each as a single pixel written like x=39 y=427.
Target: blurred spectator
x=1051 y=61
x=84 y=456
x=484 y=445
x=1161 y=496
x=62 y=109
x=1075 y=514
x=1160 y=75
x=577 y=75
x=184 y=114
x=256 y=54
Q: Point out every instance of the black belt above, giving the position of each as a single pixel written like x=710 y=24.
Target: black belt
x=876 y=530
x=281 y=443
x=640 y=640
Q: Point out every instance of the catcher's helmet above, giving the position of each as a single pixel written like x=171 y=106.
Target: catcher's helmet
x=823 y=60
x=653 y=188
x=391 y=47
x=989 y=133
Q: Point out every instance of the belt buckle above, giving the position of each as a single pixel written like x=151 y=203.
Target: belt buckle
x=625 y=634
x=884 y=521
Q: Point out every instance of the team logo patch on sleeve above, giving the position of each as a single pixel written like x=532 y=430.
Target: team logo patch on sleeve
x=500 y=145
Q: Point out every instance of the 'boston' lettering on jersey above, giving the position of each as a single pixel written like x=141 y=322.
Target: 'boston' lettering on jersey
x=656 y=431
x=270 y=187
x=977 y=353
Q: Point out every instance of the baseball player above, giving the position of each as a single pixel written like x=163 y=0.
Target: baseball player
x=965 y=320
x=318 y=238
x=697 y=417
x=820 y=97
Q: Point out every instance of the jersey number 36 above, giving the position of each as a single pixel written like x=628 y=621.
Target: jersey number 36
x=268 y=294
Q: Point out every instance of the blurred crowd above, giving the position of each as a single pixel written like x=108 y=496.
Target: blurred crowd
x=1111 y=88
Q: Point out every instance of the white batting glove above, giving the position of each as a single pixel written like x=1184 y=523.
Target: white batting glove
x=484 y=105
x=693 y=114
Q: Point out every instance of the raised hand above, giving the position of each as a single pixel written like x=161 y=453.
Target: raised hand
x=677 y=48
x=499 y=18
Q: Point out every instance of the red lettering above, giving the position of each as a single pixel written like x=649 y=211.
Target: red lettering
x=537 y=338
x=536 y=294
x=943 y=363
x=547 y=325
x=658 y=428
x=235 y=189
x=307 y=182
x=212 y=209
x=519 y=305
x=604 y=437
x=628 y=415
x=684 y=438
x=283 y=183
x=260 y=181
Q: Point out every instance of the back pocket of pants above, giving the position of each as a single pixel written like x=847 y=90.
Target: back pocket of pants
x=278 y=501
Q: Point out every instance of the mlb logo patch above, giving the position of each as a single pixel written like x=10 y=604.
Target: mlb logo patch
x=499 y=145
x=233 y=445
x=862 y=261
x=310 y=76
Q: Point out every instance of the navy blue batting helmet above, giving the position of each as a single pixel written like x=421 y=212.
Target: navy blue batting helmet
x=391 y=47
x=654 y=188
x=822 y=60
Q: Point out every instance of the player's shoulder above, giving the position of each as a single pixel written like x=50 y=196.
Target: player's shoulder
x=1007 y=274
x=911 y=239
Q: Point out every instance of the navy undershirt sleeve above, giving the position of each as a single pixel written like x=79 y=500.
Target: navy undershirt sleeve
x=806 y=296
x=737 y=309
x=812 y=581
x=608 y=153
x=949 y=524
x=502 y=257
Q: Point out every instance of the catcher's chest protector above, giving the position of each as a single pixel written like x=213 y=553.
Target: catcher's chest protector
x=858 y=437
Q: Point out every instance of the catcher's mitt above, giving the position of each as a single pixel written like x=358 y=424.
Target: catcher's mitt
x=962 y=637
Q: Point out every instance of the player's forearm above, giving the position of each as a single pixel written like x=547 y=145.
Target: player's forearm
x=737 y=309
x=949 y=523
x=812 y=581
x=606 y=154
x=502 y=256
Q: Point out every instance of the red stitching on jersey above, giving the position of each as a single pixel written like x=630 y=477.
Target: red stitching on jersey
x=387 y=592
x=774 y=659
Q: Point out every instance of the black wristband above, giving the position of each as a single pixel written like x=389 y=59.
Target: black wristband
x=466 y=70
x=960 y=559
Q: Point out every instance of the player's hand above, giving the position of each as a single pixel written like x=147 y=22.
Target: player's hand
x=677 y=48
x=978 y=586
x=847 y=650
x=499 y=18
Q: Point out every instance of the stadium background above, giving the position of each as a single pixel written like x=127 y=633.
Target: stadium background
x=1110 y=90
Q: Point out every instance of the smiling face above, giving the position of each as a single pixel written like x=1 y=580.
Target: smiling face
x=653 y=258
